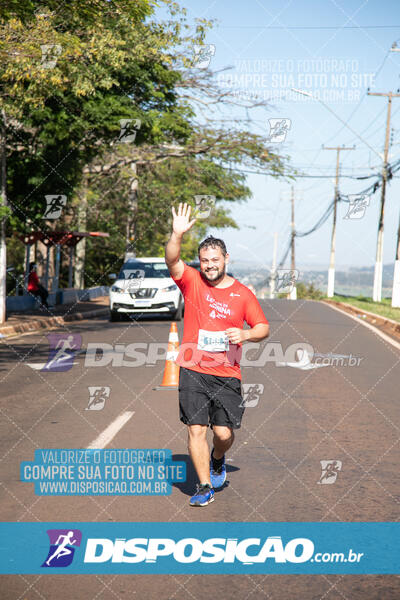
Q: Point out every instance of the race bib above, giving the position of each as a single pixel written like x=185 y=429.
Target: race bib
x=212 y=341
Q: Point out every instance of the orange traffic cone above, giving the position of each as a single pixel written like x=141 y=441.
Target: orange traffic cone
x=171 y=372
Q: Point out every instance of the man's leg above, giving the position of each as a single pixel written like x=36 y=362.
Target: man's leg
x=43 y=295
x=223 y=440
x=199 y=451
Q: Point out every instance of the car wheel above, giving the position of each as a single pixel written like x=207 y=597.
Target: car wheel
x=114 y=316
x=179 y=312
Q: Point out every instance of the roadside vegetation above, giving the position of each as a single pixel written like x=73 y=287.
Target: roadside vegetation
x=384 y=308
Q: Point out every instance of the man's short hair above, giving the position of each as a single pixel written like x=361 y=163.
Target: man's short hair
x=212 y=242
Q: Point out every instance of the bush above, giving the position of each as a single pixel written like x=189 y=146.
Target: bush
x=308 y=291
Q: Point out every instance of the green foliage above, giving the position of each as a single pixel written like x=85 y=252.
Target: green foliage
x=384 y=308
x=308 y=291
x=114 y=63
x=5 y=211
x=112 y=66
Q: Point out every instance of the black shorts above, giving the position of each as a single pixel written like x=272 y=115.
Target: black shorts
x=209 y=399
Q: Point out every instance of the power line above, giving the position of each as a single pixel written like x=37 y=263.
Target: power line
x=341 y=198
x=316 y=27
x=302 y=175
x=377 y=72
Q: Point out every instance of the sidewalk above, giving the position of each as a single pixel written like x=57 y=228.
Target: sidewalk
x=36 y=319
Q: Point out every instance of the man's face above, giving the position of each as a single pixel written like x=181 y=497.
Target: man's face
x=212 y=264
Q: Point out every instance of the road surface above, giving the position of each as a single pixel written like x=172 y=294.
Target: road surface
x=348 y=414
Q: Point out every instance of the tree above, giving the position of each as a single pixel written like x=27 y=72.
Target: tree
x=63 y=100
x=62 y=106
x=208 y=164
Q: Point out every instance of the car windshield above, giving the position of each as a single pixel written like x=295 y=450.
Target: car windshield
x=139 y=270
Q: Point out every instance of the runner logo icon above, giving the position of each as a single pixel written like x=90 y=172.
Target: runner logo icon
x=251 y=394
x=330 y=470
x=61 y=551
x=63 y=349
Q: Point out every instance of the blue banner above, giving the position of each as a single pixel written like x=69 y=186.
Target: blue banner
x=103 y=472
x=79 y=548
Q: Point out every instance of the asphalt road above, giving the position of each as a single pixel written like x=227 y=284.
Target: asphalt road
x=342 y=413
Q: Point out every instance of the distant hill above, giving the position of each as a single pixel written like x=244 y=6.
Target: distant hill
x=353 y=281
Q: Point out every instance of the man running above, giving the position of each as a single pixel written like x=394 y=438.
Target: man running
x=62 y=549
x=63 y=346
x=216 y=305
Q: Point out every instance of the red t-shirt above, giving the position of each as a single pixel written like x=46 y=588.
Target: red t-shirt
x=209 y=311
x=33 y=282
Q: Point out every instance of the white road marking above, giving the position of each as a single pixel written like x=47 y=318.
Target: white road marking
x=111 y=431
x=303 y=362
x=385 y=337
x=41 y=366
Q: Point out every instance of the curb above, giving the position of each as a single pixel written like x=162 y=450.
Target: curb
x=38 y=324
x=373 y=318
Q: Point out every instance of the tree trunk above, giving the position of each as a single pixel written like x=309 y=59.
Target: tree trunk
x=41 y=253
x=3 y=202
x=132 y=212
x=80 y=248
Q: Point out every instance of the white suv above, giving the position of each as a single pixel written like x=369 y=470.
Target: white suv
x=143 y=286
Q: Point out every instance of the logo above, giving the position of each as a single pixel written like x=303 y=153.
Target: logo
x=50 y=54
x=303 y=361
x=133 y=279
x=191 y=550
x=204 y=206
x=203 y=55
x=63 y=349
x=55 y=204
x=232 y=294
x=42 y=11
x=278 y=129
x=129 y=129
x=62 y=550
x=330 y=470
x=357 y=206
x=251 y=394
x=285 y=280
x=98 y=395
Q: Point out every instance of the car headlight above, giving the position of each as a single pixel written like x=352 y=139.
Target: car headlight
x=115 y=288
x=170 y=288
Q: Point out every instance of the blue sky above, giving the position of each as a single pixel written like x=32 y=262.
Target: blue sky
x=343 y=49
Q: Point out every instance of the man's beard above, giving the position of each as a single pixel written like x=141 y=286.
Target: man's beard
x=213 y=275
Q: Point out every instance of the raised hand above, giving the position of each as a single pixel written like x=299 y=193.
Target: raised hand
x=181 y=219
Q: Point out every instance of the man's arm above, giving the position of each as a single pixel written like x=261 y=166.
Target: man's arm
x=180 y=225
x=255 y=334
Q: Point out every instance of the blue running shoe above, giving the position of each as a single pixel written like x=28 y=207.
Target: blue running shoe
x=217 y=476
x=203 y=496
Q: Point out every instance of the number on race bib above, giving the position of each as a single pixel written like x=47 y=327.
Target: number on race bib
x=212 y=341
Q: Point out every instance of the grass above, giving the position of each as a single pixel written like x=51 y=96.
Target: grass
x=384 y=308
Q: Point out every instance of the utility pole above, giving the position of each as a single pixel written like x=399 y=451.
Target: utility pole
x=377 y=291
x=273 y=269
x=331 y=270
x=293 y=292
x=396 y=274
x=130 y=244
